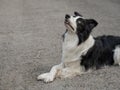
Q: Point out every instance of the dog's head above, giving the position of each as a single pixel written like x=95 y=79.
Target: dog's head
x=79 y=25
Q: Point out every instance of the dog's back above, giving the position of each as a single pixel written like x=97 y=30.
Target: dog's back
x=109 y=41
x=104 y=52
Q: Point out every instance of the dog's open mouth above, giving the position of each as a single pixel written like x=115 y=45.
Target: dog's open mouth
x=68 y=24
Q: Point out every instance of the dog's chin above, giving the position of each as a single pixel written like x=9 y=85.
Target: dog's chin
x=69 y=27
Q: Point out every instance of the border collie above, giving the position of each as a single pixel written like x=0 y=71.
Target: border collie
x=81 y=52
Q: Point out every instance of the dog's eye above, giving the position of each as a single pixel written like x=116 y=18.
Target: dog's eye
x=79 y=22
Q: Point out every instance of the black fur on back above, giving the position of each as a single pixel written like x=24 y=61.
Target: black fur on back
x=101 y=53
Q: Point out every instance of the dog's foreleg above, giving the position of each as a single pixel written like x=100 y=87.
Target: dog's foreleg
x=50 y=76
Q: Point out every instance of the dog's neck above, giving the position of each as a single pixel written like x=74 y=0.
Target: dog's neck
x=71 y=50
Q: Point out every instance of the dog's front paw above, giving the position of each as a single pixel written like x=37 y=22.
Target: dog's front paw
x=46 y=77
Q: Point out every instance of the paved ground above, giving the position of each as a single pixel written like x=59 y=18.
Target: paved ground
x=30 y=42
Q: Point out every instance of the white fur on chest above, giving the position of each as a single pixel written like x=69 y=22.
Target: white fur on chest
x=71 y=50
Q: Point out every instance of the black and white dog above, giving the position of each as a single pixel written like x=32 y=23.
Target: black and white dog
x=82 y=52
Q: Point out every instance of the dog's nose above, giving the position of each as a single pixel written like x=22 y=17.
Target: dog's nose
x=67 y=16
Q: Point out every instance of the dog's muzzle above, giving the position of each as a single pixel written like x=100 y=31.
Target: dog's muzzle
x=67 y=22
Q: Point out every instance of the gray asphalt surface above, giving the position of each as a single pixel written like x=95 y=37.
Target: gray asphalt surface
x=30 y=42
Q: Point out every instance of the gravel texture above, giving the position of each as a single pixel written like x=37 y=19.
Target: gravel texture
x=30 y=42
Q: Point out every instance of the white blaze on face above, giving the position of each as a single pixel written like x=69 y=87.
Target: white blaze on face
x=73 y=21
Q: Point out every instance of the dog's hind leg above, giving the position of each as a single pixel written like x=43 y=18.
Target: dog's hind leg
x=117 y=55
x=50 y=76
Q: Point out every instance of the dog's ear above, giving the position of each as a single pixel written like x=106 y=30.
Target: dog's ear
x=77 y=14
x=91 y=23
